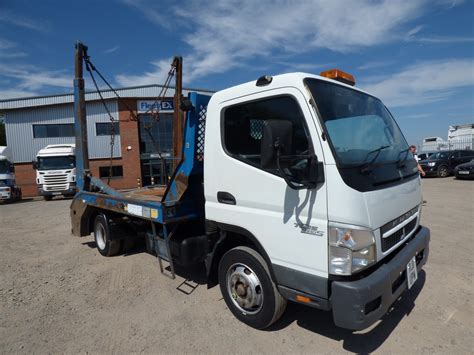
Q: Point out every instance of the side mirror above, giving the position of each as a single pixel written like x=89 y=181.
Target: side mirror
x=315 y=173
x=12 y=168
x=34 y=163
x=277 y=136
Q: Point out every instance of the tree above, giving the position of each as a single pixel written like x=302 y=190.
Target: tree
x=3 y=136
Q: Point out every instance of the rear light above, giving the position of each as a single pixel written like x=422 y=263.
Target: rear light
x=339 y=75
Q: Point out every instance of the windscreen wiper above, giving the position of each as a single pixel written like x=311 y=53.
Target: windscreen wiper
x=365 y=168
x=400 y=161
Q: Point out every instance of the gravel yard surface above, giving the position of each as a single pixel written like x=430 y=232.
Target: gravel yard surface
x=59 y=295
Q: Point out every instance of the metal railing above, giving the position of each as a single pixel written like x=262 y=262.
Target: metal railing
x=461 y=143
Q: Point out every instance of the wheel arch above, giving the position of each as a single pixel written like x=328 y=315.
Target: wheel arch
x=82 y=218
x=231 y=236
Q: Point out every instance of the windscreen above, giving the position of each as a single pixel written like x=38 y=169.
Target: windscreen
x=439 y=155
x=358 y=124
x=56 y=163
x=362 y=133
x=4 y=167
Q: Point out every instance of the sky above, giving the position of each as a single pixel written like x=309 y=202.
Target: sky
x=416 y=55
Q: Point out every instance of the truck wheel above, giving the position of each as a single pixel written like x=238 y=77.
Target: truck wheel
x=48 y=198
x=105 y=245
x=443 y=171
x=248 y=289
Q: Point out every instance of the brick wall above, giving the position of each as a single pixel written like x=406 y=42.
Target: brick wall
x=26 y=178
x=129 y=138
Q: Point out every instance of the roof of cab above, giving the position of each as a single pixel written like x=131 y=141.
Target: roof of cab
x=57 y=150
x=278 y=81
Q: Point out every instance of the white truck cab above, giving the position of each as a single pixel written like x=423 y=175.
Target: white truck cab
x=9 y=191
x=318 y=175
x=56 y=170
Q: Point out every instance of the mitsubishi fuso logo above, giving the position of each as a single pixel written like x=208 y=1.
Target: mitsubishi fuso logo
x=403 y=218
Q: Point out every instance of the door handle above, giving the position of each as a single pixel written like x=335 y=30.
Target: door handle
x=225 y=197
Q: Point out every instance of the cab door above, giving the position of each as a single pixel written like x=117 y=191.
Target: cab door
x=291 y=225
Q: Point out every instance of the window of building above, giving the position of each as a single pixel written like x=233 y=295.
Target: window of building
x=244 y=127
x=117 y=171
x=107 y=128
x=53 y=130
x=156 y=136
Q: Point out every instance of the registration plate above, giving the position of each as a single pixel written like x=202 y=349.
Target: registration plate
x=463 y=172
x=412 y=272
x=56 y=193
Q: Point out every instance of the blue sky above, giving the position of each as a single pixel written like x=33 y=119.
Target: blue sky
x=416 y=55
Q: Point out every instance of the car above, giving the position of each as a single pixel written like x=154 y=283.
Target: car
x=443 y=163
x=465 y=171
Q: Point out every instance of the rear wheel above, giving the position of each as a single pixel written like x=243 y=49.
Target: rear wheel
x=105 y=245
x=443 y=171
x=247 y=288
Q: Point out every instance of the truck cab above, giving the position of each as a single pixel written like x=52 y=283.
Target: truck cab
x=9 y=191
x=318 y=174
x=56 y=170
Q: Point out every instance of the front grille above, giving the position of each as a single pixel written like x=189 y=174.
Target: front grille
x=55 y=182
x=398 y=235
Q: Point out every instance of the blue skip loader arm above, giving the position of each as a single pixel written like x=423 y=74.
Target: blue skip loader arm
x=183 y=198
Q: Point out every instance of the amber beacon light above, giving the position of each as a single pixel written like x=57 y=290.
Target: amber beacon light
x=339 y=75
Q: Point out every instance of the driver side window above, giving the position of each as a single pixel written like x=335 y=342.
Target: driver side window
x=243 y=127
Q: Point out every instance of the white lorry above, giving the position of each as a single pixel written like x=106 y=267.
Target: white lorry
x=294 y=187
x=56 y=170
x=9 y=191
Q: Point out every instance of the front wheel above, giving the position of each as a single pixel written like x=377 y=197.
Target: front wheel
x=48 y=197
x=247 y=288
x=443 y=171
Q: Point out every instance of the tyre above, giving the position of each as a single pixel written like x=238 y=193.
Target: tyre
x=105 y=245
x=48 y=197
x=443 y=171
x=247 y=288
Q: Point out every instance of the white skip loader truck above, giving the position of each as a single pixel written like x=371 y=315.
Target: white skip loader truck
x=56 y=170
x=296 y=187
x=9 y=191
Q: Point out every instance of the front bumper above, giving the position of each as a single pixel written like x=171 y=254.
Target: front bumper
x=430 y=170
x=464 y=174
x=358 y=304
x=71 y=191
x=5 y=195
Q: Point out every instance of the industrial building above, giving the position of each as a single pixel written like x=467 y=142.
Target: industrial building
x=142 y=150
x=459 y=137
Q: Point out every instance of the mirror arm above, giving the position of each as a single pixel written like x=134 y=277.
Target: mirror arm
x=285 y=177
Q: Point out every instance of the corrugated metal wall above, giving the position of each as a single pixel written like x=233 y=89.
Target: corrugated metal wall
x=19 y=129
x=150 y=91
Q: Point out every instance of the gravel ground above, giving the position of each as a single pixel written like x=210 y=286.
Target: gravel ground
x=58 y=295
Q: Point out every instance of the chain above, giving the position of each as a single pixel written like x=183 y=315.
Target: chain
x=90 y=68
x=153 y=110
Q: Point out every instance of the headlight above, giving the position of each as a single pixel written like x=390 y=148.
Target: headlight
x=431 y=163
x=351 y=249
